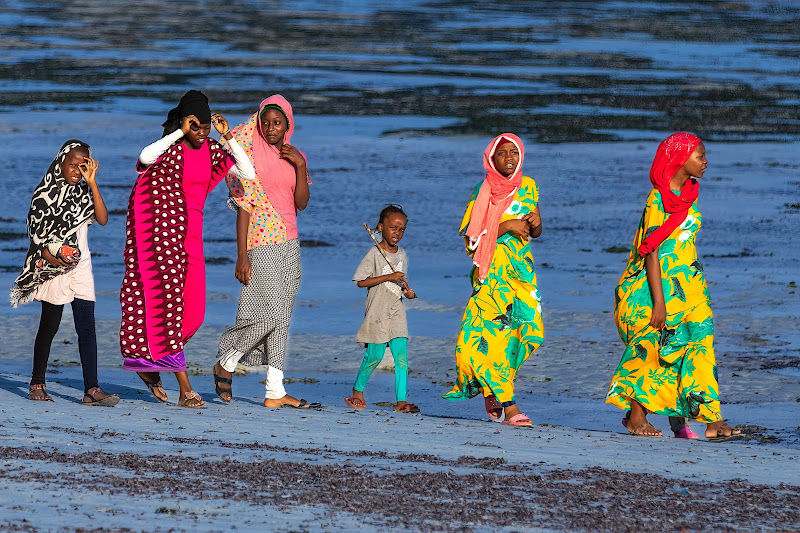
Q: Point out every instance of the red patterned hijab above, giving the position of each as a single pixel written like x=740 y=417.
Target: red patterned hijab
x=671 y=155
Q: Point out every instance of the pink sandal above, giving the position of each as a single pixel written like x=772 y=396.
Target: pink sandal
x=686 y=433
x=519 y=420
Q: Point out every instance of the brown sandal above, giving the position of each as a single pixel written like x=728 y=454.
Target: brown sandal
x=640 y=431
x=38 y=392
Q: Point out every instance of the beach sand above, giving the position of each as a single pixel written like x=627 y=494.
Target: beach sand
x=395 y=102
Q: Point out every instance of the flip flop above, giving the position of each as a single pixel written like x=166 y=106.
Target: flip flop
x=355 y=403
x=519 y=420
x=303 y=405
x=108 y=401
x=407 y=408
x=152 y=386
x=493 y=408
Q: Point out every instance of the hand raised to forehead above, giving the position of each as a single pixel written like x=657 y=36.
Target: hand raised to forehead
x=220 y=123
x=89 y=169
x=187 y=122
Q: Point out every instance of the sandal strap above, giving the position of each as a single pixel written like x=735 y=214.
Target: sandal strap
x=220 y=379
x=192 y=395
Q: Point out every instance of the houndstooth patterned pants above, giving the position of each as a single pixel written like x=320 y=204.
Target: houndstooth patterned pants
x=265 y=309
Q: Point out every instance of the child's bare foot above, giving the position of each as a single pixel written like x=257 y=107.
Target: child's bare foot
x=405 y=407
x=356 y=401
x=720 y=430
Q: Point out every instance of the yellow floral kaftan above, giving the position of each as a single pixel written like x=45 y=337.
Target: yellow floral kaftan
x=502 y=324
x=670 y=372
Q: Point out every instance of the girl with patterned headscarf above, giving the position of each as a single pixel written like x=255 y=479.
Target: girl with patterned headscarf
x=502 y=324
x=163 y=293
x=58 y=266
x=662 y=307
x=268 y=265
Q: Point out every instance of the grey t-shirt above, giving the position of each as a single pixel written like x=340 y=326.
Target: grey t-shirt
x=384 y=314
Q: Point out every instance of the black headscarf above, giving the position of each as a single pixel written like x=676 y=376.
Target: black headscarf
x=57 y=210
x=192 y=103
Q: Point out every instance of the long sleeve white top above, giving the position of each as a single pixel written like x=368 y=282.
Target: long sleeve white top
x=243 y=168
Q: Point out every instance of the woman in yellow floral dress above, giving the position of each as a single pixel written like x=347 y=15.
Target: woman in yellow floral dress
x=662 y=307
x=502 y=324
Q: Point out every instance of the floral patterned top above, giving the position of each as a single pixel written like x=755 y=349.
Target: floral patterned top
x=266 y=224
x=681 y=271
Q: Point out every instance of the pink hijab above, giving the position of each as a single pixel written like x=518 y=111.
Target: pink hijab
x=277 y=176
x=672 y=154
x=494 y=197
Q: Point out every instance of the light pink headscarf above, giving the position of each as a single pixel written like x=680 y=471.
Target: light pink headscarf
x=277 y=176
x=494 y=197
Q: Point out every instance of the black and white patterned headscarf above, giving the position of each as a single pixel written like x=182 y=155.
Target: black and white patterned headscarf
x=57 y=211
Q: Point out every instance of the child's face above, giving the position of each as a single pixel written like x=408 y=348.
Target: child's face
x=506 y=158
x=697 y=163
x=198 y=133
x=71 y=167
x=273 y=126
x=392 y=228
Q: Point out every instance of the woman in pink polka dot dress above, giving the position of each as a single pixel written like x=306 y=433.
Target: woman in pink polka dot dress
x=163 y=292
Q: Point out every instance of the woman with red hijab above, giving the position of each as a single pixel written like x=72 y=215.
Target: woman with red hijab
x=268 y=264
x=662 y=307
x=502 y=324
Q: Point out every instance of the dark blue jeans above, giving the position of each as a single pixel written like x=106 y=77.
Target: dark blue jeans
x=83 y=313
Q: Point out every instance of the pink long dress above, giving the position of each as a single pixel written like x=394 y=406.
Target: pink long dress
x=163 y=294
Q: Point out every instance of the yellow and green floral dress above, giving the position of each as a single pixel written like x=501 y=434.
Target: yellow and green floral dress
x=502 y=324
x=670 y=372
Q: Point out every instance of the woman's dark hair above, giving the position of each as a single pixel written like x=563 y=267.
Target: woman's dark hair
x=389 y=209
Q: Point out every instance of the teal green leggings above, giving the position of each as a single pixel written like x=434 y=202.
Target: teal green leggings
x=372 y=358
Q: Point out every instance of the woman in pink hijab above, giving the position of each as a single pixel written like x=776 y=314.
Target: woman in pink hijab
x=268 y=263
x=502 y=324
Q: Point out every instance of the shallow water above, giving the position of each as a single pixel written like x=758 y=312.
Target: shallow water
x=395 y=103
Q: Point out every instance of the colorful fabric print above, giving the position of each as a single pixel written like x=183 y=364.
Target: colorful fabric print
x=502 y=323
x=57 y=210
x=163 y=253
x=671 y=372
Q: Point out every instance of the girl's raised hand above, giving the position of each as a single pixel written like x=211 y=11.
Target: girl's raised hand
x=292 y=155
x=187 y=122
x=220 y=124
x=89 y=170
